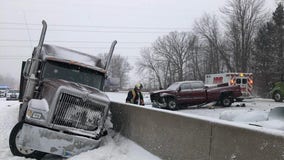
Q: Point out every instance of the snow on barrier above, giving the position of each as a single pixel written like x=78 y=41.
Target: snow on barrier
x=172 y=135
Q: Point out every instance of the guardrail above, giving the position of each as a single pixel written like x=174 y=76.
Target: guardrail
x=176 y=136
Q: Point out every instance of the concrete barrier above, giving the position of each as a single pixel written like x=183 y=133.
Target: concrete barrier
x=233 y=142
x=174 y=136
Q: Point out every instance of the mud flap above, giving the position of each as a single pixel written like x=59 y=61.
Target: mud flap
x=276 y=113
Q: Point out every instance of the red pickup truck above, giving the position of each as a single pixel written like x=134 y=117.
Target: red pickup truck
x=187 y=93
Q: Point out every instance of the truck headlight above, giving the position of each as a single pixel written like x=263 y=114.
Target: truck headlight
x=37 y=109
x=34 y=114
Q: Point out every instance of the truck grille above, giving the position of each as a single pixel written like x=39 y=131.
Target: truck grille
x=73 y=111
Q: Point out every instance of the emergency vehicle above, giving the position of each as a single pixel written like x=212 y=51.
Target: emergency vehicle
x=245 y=80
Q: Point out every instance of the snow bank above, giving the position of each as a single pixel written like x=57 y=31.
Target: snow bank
x=253 y=117
x=8 y=118
x=273 y=124
x=116 y=147
x=244 y=116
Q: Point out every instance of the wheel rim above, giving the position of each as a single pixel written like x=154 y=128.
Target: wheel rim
x=277 y=96
x=226 y=102
x=22 y=150
x=172 y=104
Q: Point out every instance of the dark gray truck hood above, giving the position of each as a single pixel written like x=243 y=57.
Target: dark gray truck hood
x=51 y=86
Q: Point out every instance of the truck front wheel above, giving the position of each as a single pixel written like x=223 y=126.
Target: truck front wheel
x=226 y=101
x=21 y=151
x=277 y=97
x=171 y=103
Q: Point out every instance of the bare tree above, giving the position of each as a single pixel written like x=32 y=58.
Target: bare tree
x=243 y=18
x=216 y=55
x=119 y=68
x=149 y=62
x=176 y=49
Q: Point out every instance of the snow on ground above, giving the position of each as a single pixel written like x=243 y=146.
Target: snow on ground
x=114 y=146
x=8 y=118
x=256 y=112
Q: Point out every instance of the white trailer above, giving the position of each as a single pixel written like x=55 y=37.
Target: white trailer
x=244 y=80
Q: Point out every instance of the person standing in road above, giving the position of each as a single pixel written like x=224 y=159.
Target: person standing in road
x=135 y=96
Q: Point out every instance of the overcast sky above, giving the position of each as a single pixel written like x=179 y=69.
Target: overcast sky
x=91 y=25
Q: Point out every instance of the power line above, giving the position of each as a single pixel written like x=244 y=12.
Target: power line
x=94 y=26
x=22 y=40
x=25 y=57
x=25 y=46
x=26 y=24
x=88 y=31
x=12 y=58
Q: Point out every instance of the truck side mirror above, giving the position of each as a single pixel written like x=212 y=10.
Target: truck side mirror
x=27 y=68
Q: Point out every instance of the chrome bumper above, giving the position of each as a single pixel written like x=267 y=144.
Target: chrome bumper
x=53 y=142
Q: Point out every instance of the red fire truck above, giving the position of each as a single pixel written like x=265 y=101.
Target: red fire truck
x=245 y=80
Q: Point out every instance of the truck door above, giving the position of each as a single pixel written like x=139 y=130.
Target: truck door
x=183 y=94
x=192 y=93
x=23 y=82
x=198 y=93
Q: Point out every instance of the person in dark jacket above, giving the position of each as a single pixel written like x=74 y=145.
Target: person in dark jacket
x=135 y=96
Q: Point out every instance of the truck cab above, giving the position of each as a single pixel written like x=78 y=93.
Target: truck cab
x=63 y=108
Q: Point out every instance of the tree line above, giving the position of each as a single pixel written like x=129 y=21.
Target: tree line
x=245 y=38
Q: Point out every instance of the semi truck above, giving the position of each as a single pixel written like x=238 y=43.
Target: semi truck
x=63 y=109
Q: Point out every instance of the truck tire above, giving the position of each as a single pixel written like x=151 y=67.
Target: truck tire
x=239 y=99
x=20 y=151
x=277 y=96
x=171 y=103
x=226 y=101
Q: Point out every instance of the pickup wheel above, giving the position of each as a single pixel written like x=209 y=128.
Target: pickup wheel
x=21 y=151
x=226 y=101
x=277 y=96
x=171 y=103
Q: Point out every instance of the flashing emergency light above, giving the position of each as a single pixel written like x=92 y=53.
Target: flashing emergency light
x=232 y=82
x=241 y=74
x=250 y=81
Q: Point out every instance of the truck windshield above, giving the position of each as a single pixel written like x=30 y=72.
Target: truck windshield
x=73 y=73
x=173 y=86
